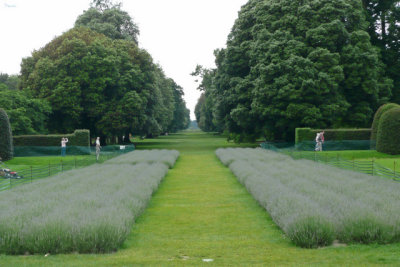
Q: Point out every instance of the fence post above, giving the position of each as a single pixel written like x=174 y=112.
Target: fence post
x=337 y=159
x=372 y=167
x=49 y=168
x=31 y=174
x=394 y=169
x=62 y=167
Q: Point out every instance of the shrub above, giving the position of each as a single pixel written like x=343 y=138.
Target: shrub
x=88 y=210
x=315 y=203
x=308 y=134
x=375 y=123
x=6 y=145
x=78 y=138
x=311 y=232
x=167 y=157
x=388 y=137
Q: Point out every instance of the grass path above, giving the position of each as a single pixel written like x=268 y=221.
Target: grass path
x=201 y=212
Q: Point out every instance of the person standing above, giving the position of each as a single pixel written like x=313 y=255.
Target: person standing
x=98 y=147
x=318 y=142
x=322 y=139
x=64 y=142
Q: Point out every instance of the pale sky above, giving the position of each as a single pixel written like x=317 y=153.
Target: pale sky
x=179 y=34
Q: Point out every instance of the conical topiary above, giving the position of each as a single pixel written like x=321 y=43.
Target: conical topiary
x=6 y=144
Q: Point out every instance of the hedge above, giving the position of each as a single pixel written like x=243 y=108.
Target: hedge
x=78 y=138
x=308 y=134
x=375 y=123
x=388 y=137
x=6 y=145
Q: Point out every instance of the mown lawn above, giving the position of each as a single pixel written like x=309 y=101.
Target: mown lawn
x=202 y=212
x=23 y=163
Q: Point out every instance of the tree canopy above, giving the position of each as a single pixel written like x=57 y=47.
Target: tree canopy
x=292 y=64
x=109 y=19
x=110 y=86
x=95 y=76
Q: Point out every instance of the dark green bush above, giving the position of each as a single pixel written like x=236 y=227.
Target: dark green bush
x=388 y=137
x=78 y=138
x=375 y=123
x=6 y=145
x=308 y=134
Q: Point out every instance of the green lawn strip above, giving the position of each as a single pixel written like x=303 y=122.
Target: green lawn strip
x=201 y=211
x=389 y=161
x=24 y=163
x=349 y=154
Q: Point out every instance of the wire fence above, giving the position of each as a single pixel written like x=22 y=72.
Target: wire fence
x=32 y=173
x=364 y=166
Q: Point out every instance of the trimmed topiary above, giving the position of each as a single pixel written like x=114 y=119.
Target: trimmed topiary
x=6 y=145
x=375 y=123
x=388 y=137
x=78 y=138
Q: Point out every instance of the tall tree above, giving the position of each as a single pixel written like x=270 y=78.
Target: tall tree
x=297 y=63
x=111 y=87
x=384 y=29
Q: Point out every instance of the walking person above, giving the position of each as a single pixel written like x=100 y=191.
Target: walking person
x=98 y=147
x=64 y=142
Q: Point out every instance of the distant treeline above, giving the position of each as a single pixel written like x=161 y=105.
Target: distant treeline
x=94 y=77
x=289 y=64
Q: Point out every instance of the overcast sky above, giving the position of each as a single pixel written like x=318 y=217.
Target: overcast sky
x=179 y=34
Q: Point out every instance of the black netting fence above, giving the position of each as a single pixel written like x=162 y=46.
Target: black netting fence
x=35 y=151
x=303 y=151
x=10 y=178
x=326 y=146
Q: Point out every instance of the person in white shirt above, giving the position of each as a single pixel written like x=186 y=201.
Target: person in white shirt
x=64 y=142
x=319 y=139
x=98 y=147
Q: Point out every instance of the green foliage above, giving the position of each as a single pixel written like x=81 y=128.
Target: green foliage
x=9 y=82
x=112 y=87
x=6 y=142
x=108 y=18
x=388 y=137
x=291 y=64
x=308 y=134
x=383 y=18
x=303 y=134
x=78 y=138
x=27 y=115
x=375 y=123
x=203 y=113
